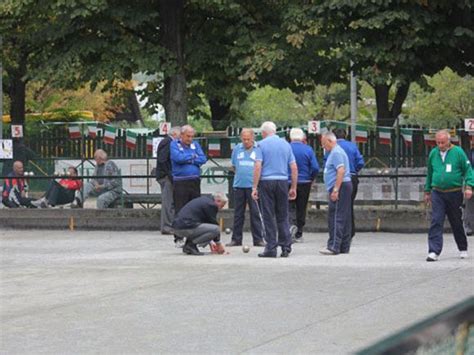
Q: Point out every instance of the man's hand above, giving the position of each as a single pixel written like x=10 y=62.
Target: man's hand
x=428 y=198
x=334 y=195
x=255 y=194
x=292 y=194
x=468 y=194
x=98 y=187
x=217 y=248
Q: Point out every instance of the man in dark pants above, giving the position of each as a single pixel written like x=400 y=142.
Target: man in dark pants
x=14 y=194
x=356 y=163
x=197 y=222
x=165 y=179
x=338 y=184
x=186 y=159
x=448 y=169
x=270 y=186
x=244 y=157
x=308 y=168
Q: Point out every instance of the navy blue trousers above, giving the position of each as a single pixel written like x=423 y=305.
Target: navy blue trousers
x=273 y=196
x=242 y=197
x=340 y=220
x=446 y=204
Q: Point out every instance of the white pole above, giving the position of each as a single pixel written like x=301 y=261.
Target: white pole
x=353 y=104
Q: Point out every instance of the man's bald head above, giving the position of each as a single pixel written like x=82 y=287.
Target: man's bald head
x=18 y=167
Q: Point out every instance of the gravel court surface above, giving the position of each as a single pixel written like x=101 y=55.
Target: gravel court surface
x=133 y=292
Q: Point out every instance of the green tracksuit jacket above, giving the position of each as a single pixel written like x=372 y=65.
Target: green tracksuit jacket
x=450 y=174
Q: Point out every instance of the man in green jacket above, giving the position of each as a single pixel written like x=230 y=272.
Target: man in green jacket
x=448 y=170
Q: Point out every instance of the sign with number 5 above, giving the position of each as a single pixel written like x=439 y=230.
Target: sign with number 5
x=314 y=127
x=469 y=124
x=17 y=131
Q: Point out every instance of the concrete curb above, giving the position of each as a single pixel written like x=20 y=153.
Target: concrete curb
x=367 y=220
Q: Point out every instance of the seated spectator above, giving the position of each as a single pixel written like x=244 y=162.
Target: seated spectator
x=197 y=222
x=15 y=187
x=60 y=192
x=107 y=185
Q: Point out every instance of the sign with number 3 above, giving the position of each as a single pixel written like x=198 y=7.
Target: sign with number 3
x=314 y=127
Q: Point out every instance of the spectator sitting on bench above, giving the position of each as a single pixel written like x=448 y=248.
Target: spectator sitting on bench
x=60 y=192
x=14 y=194
x=107 y=185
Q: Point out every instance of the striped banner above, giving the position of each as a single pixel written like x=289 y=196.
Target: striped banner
x=109 y=134
x=74 y=131
x=92 y=128
x=385 y=135
x=214 y=147
x=131 y=140
x=407 y=135
x=149 y=143
x=429 y=138
x=362 y=134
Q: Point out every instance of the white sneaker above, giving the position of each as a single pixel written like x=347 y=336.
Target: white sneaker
x=326 y=251
x=179 y=243
x=463 y=254
x=432 y=257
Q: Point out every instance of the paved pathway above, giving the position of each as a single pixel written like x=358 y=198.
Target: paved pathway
x=123 y=292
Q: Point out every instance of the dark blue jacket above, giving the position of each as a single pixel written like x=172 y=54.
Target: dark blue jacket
x=197 y=211
x=186 y=160
x=356 y=160
x=308 y=166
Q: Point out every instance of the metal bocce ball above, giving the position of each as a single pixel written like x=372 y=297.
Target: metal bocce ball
x=245 y=248
x=228 y=231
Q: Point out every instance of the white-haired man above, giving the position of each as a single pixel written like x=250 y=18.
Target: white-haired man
x=165 y=179
x=187 y=157
x=338 y=183
x=270 y=186
x=106 y=184
x=448 y=170
x=197 y=222
x=308 y=168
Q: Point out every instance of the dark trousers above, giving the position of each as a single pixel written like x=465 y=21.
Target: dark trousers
x=58 y=195
x=446 y=203
x=299 y=206
x=273 y=196
x=24 y=201
x=355 y=185
x=339 y=220
x=242 y=197
x=183 y=192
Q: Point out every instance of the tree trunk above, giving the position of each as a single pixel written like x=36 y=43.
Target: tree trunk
x=387 y=115
x=172 y=37
x=220 y=115
x=17 y=93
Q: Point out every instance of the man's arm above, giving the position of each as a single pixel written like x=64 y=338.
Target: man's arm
x=294 y=180
x=337 y=186
x=180 y=156
x=468 y=176
x=429 y=174
x=114 y=181
x=200 y=157
x=257 y=171
x=359 y=160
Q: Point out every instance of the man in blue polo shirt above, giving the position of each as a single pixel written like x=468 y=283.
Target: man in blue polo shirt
x=244 y=157
x=338 y=184
x=308 y=168
x=270 y=185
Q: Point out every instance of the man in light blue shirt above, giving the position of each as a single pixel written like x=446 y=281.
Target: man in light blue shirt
x=337 y=179
x=270 y=186
x=244 y=157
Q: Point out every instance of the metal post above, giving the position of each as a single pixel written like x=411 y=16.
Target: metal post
x=397 y=156
x=353 y=104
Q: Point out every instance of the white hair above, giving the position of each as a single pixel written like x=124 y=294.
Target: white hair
x=330 y=137
x=175 y=131
x=220 y=196
x=268 y=127
x=186 y=128
x=297 y=134
x=443 y=132
x=100 y=153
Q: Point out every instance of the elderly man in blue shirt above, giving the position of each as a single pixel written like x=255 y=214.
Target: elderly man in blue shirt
x=308 y=168
x=186 y=159
x=270 y=185
x=339 y=186
x=244 y=156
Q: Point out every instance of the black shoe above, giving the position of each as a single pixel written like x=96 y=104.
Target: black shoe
x=267 y=254
x=285 y=254
x=259 y=244
x=191 y=249
x=233 y=243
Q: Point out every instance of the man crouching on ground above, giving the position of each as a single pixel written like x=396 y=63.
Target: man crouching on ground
x=197 y=222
